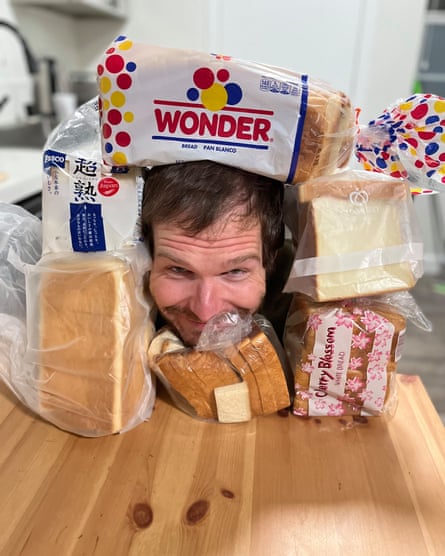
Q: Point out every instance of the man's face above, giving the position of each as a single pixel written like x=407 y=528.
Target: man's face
x=193 y=278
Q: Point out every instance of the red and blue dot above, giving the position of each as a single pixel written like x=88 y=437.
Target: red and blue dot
x=115 y=79
x=414 y=131
x=213 y=89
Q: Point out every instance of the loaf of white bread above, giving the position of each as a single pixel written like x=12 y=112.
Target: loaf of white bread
x=357 y=235
x=222 y=109
x=232 y=384
x=91 y=342
x=328 y=134
x=344 y=355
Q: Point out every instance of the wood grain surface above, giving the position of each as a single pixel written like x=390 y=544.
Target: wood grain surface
x=277 y=485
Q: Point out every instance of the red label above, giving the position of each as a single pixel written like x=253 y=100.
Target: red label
x=108 y=187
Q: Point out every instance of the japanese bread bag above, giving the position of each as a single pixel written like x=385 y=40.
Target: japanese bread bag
x=88 y=322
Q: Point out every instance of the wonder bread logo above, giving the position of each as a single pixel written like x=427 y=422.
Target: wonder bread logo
x=211 y=115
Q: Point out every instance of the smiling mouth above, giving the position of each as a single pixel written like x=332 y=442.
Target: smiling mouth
x=196 y=324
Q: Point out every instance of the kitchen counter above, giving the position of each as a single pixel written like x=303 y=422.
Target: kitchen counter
x=273 y=486
x=20 y=173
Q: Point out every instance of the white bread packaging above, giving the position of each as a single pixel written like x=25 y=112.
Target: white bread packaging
x=89 y=328
x=357 y=234
x=86 y=205
x=164 y=105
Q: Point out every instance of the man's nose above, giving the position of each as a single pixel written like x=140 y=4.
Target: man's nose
x=206 y=300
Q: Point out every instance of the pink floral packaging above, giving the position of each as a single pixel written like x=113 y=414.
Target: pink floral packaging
x=344 y=354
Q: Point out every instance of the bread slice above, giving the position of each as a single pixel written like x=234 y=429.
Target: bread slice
x=235 y=356
x=268 y=371
x=354 y=237
x=344 y=355
x=94 y=334
x=328 y=134
x=232 y=403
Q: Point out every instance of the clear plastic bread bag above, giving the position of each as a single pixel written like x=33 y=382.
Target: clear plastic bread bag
x=89 y=327
x=87 y=205
x=344 y=354
x=356 y=233
x=20 y=244
x=237 y=371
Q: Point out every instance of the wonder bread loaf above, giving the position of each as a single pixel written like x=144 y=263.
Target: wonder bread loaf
x=188 y=105
x=229 y=385
x=344 y=355
x=328 y=134
x=94 y=333
x=357 y=235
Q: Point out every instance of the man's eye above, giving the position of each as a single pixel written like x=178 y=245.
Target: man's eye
x=178 y=270
x=236 y=273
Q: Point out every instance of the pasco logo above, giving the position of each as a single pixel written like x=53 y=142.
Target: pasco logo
x=53 y=158
x=212 y=114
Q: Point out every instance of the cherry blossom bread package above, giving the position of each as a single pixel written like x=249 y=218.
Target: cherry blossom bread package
x=344 y=355
x=237 y=371
x=356 y=235
x=165 y=105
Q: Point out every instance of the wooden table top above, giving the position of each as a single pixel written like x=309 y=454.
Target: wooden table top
x=274 y=486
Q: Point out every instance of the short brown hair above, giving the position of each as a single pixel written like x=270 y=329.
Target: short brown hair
x=193 y=195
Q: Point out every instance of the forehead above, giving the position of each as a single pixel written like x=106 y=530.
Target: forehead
x=232 y=224
x=226 y=236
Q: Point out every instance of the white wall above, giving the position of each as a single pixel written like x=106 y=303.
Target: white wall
x=367 y=48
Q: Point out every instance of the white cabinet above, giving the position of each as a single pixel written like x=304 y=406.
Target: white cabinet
x=81 y=8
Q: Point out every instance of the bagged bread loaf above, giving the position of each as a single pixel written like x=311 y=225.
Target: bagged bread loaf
x=344 y=355
x=86 y=205
x=357 y=234
x=406 y=141
x=88 y=332
x=232 y=382
x=165 y=105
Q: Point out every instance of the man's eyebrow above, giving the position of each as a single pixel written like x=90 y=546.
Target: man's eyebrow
x=230 y=262
x=171 y=257
x=243 y=258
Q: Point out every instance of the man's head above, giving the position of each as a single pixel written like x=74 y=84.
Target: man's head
x=213 y=232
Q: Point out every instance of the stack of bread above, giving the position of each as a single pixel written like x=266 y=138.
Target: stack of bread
x=88 y=321
x=357 y=243
x=230 y=383
x=187 y=105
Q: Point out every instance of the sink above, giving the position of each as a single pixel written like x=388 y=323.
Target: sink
x=29 y=134
x=20 y=173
